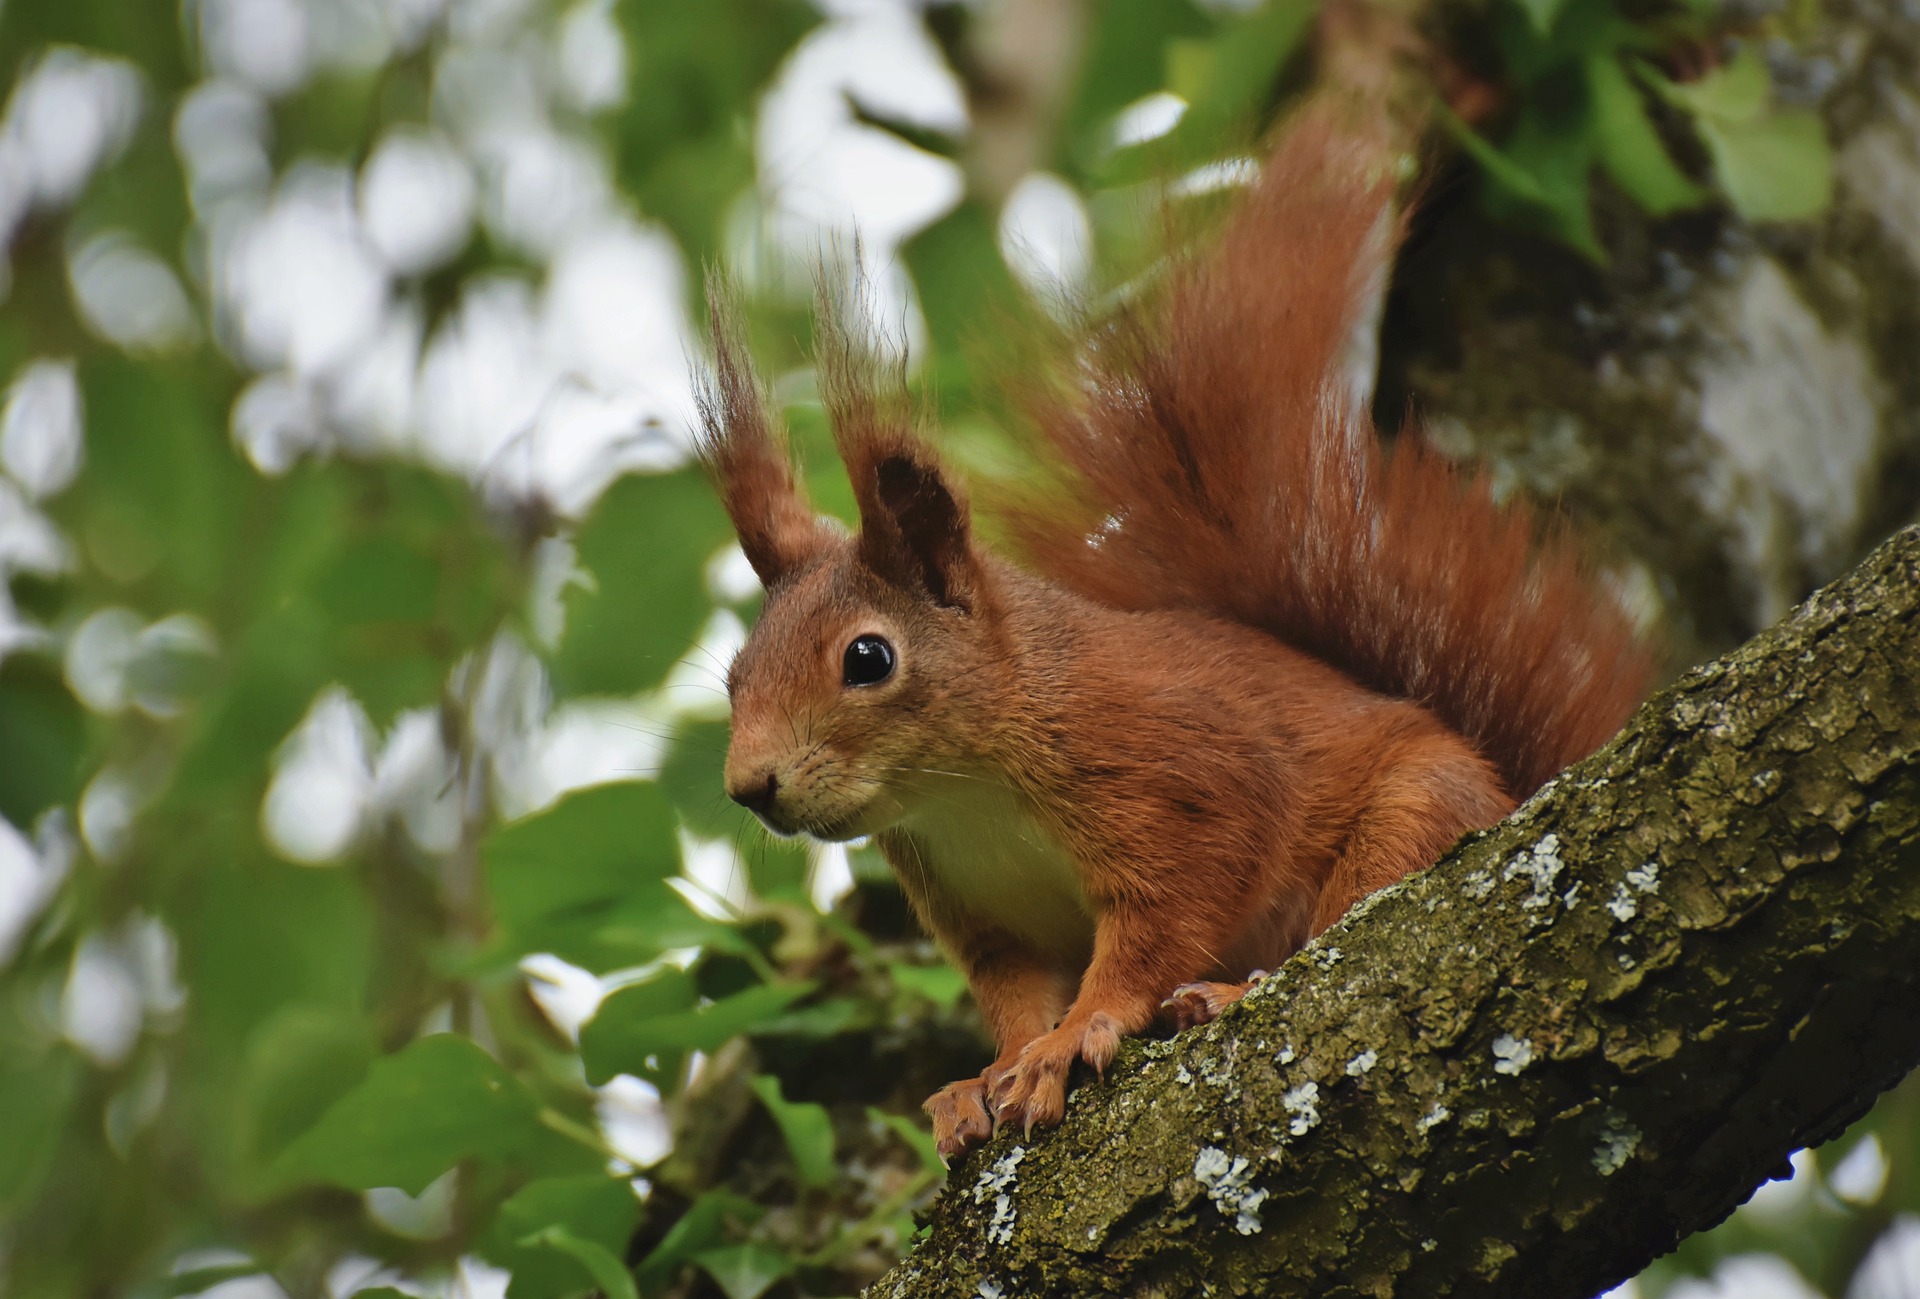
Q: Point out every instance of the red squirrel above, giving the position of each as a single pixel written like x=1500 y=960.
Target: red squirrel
x=1262 y=667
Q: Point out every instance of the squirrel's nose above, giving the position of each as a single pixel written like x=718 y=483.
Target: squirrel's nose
x=756 y=795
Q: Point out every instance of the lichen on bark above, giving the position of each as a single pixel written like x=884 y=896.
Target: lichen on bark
x=1586 y=1033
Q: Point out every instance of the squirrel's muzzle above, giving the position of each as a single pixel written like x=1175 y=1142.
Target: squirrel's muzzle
x=756 y=793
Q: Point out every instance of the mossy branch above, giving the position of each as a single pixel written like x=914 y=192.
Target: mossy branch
x=1586 y=1033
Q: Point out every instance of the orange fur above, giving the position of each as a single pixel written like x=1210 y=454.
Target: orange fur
x=1285 y=671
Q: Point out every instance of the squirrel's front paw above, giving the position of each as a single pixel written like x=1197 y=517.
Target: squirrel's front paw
x=959 y=1114
x=1033 y=1093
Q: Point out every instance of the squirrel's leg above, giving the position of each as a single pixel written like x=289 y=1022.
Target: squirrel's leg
x=1139 y=951
x=1434 y=791
x=1021 y=995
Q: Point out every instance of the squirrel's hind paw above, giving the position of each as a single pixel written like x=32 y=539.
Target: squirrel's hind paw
x=960 y=1118
x=1201 y=1003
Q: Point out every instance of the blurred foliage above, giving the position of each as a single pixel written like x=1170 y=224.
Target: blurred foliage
x=1587 y=96
x=226 y=1056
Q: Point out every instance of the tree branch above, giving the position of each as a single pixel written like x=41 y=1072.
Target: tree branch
x=1530 y=1070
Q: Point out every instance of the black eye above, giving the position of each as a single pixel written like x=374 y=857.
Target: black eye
x=868 y=662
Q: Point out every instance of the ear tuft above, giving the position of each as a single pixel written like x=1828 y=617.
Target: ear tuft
x=744 y=448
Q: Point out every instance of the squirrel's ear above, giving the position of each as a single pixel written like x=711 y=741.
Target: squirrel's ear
x=914 y=530
x=744 y=449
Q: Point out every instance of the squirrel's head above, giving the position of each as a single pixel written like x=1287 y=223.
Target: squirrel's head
x=870 y=666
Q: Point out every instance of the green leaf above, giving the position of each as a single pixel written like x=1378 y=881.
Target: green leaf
x=297 y=1065
x=646 y=545
x=598 y=1210
x=745 y=1271
x=205 y=1278
x=684 y=146
x=1630 y=148
x=1125 y=59
x=807 y=1128
x=150 y=36
x=1241 y=75
x=419 y=1112
x=810 y=435
x=1539 y=178
x=598 y=859
x=43 y=739
x=665 y=994
x=311 y=591
x=1737 y=91
x=652 y=919
x=829 y=1017
x=1775 y=168
x=635 y=1023
x=1542 y=13
x=1500 y=169
x=691 y=778
x=962 y=280
x=601 y=1263
x=37 y=1084
x=918 y=1139
x=264 y=935
x=413 y=578
x=163 y=493
x=940 y=984
x=699 y=1229
x=1774 y=165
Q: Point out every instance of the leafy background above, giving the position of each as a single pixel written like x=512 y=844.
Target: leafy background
x=370 y=918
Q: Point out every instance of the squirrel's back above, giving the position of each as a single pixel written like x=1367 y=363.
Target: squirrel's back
x=1230 y=468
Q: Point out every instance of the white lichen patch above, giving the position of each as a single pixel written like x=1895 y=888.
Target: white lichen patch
x=1644 y=878
x=1302 y=1104
x=1327 y=957
x=1618 y=1140
x=1434 y=1118
x=997 y=1183
x=1284 y=1056
x=989 y=1290
x=1000 y=1228
x=1478 y=885
x=1229 y=1183
x=1361 y=1063
x=1567 y=899
x=1181 y=1075
x=1511 y=1054
x=999 y=1176
x=1539 y=866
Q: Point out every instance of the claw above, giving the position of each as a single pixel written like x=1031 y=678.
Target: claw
x=960 y=1118
x=1193 y=1004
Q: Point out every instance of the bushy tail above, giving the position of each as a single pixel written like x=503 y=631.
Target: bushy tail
x=1228 y=468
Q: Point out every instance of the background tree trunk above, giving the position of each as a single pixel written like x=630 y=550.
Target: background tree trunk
x=1532 y=1069
x=1736 y=405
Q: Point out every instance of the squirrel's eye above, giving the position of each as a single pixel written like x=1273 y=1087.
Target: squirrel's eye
x=868 y=662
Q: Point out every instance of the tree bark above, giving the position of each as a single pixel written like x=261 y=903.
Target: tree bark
x=1530 y=1070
